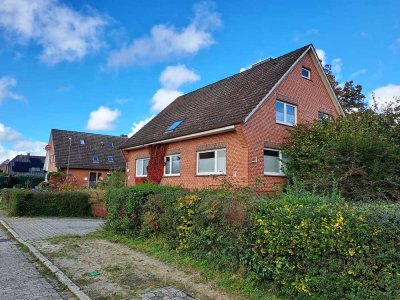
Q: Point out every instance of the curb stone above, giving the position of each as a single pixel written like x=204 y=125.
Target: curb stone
x=55 y=270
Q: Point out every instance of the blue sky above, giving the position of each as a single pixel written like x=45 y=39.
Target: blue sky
x=109 y=66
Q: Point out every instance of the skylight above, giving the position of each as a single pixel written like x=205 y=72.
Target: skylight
x=95 y=158
x=82 y=142
x=174 y=125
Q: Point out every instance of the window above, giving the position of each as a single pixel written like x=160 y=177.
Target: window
x=141 y=167
x=110 y=158
x=95 y=159
x=82 y=142
x=172 y=165
x=274 y=162
x=211 y=162
x=305 y=73
x=323 y=116
x=174 y=125
x=36 y=169
x=285 y=113
x=111 y=145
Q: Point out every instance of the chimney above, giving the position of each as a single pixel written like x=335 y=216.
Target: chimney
x=28 y=154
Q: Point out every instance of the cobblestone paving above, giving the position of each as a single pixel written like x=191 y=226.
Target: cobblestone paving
x=36 y=229
x=19 y=279
x=166 y=293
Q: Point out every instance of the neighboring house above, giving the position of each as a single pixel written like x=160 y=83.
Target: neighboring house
x=87 y=157
x=233 y=129
x=25 y=165
x=4 y=166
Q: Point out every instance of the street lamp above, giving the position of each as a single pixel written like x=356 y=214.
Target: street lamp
x=69 y=153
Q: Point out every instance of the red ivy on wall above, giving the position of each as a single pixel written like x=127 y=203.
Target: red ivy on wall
x=155 y=169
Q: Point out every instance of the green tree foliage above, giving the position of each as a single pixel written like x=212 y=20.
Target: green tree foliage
x=350 y=96
x=359 y=154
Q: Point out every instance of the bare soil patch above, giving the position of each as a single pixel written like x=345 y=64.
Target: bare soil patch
x=106 y=270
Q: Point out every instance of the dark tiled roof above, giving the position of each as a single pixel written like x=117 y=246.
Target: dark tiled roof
x=23 y=163
x=81 y=155
x=223 y=103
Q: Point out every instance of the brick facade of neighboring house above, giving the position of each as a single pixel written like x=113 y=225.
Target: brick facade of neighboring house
x=252 y=137
x=84 y=147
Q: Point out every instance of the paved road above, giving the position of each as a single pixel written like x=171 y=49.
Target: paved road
x=19 y=278
x=36 y=229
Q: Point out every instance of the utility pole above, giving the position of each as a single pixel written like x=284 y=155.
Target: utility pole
x=69 y=153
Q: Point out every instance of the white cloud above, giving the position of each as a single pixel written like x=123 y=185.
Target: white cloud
x=103 y=118
x=337 y=65
x=63 y=33
x=165 y=42
x=358 y=73
x=174 y=76
x=322 y=56
x=171 y=79
x=8 y=134
x=395 y=45
x=163 y=97
x=386 y=94
x=138 y=125
x=17 y=144
x=6 y=85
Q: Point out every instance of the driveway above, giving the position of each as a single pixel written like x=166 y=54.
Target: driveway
x=36 y=229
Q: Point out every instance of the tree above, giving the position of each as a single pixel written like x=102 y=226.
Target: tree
x=350 y=96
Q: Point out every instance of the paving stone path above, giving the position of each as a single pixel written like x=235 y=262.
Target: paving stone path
x=19 y=278
x=37 y=229
x=166 y=293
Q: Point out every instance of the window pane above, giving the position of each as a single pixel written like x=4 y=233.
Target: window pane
x=305 y=72
x=145 y=164
x=139 y=167
x=290 y=114
x=168 y=165
x=221 y=161
x=280 y=112
x=176 y=164
x=271 y=161
x=284 y=160
x=206 y=162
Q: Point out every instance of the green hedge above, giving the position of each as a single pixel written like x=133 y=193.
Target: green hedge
x=304 y=245
x=25 y=181
x=66 y=204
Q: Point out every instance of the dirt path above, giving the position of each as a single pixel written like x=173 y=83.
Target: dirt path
x=123 y=272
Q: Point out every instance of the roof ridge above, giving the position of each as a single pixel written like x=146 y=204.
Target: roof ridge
x=81 y=132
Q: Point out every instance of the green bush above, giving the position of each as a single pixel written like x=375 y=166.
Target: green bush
x=308 y=246
x=27 y=181
x=5 y=195
x=115 y=180
x=358 y=154
x=31 y=203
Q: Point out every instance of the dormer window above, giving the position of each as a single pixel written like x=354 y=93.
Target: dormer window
x=110 y=158
x=305 y=73
x=82 y=142
x=95 y=159
x=111 y=145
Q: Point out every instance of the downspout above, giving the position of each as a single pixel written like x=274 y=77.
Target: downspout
x=126 y=166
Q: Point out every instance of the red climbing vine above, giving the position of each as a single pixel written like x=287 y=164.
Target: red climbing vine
x=155 y=169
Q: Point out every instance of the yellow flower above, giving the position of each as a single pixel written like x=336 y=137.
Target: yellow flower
x=351 y=251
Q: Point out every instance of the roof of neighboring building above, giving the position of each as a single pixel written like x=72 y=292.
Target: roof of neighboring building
x=223 y=103
x=81 y=155
x=23 y=163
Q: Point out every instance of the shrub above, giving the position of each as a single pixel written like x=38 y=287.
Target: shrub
x=67 y=204
x=115 y=180
x=5 y=195
x=357 y=154
x=26 y=181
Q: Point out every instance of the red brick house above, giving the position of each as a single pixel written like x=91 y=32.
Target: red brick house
x=232 y=129
x=87 y=157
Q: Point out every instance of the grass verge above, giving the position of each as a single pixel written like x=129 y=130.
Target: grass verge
x=236 y=284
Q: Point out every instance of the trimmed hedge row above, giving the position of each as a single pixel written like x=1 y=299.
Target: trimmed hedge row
x=31 y=203
x=23 y=181
x=304 y=245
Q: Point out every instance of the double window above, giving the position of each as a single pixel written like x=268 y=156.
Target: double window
x=172 y=165
x=211 y=162
x=141 y=167
x=285 y=113
x=274 y=162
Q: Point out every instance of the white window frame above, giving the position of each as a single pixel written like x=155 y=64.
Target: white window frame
x=215 y=163
x=170 y=166
x=281 y=163
x=137 y=161
x=309 y=73
x=285 y=105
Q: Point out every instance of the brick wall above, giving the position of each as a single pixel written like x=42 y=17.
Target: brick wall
x=236 y=163
x=310 y=96
x=80 y=175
